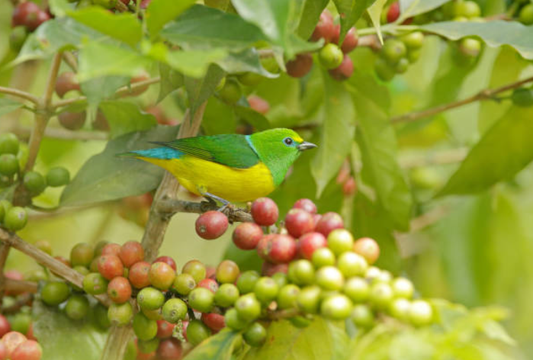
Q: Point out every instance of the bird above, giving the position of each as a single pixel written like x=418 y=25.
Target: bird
x=229 y=168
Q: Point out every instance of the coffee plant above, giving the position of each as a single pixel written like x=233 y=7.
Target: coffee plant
x=404 y=235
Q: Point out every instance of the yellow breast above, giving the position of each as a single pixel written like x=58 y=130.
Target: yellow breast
x=235 y=185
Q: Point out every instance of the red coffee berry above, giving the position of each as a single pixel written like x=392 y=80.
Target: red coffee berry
x=11 y=340
x=329 y=222
x=308 y=243
x=394 y=12
x=350 y=41
x=300 y=66
x=167 y=260
x=24 y=13
x=111 y=249
x=336 y=33
x=164 y=329
x=258 y=104
x=343 y=71
x=367 y=248
x=3 y=351
x=209 y=284
x=110 y=266
x=72 y=120
x=324 y=28
x=265 y=211
x=262 y=246
x=348 y=188
x=119 y=290
x=130 y=253
x=246 y=236
x=170 y=349
x=211 y=225
x=214 y=321
x=161 y=275
x=305 y=204
x=66 y=82
x=281 y=249
x=5 y=327
x=138 y=78
x=28 y=350
x=299 y=222
x=139 y=274
x=269 y=269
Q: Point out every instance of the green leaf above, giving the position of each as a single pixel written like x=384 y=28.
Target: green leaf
x=55 y=35
x=8 y=105
x=370 y=219
x=350 y=11
x=374 y=11
x=502 y=152
x=219 y=118
x=199 y=90
x=101 y=88
x=125 y=117
x=493 y=33
x=310 y=14
x=64 y=339
x=320 y=340
x=160 y=12
x=274 y=18
x=507 y=68
x=219 y=346
x=247 y=60
x=377 y=141
x=170 y=80
x=252 y=117
x=106 y=177
x=204 y=27
x=99 y=59
x=336 y=133
x=122 y=26
x=410 y=8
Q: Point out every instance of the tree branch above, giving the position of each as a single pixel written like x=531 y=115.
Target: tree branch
x=64 y=134
x=125 y=90
x=4 y=252
x=158 y=222
x=486 y=94
x=19 y=93
x=449 y=156
x=56 y=266
x=172 y=206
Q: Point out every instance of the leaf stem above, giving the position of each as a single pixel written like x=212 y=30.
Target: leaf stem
x=486 y=94
x=19 y=93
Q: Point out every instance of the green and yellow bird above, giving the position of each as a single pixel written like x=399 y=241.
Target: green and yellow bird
x=229 y=168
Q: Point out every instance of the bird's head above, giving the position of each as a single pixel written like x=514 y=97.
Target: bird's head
x=278 y=149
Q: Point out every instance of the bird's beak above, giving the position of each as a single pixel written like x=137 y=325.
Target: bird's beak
x=305 y=146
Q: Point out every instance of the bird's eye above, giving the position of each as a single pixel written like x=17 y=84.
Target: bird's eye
x=288 y=141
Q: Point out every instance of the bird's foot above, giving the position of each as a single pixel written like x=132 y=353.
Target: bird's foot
x=213 y=199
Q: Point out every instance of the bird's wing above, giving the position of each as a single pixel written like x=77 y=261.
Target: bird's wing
x=230 y=150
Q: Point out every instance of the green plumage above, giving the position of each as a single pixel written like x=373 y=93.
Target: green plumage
x=231 y=150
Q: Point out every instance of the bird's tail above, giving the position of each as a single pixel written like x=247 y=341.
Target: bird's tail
x=162 y=153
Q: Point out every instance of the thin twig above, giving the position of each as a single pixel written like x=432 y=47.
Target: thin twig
x=125 y=90
x=442 y=157
x=56 y=266
x=19 y=93
x=51 y=81
x=173 y=206
x=20 y=302
x=4 y=252
x=20 y=286
x=486 y=94
x=64 y=134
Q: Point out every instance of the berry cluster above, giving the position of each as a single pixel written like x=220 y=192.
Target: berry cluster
x=67 y=86
x=312 y=267
x=397 y=53
x=13 y=158
x=27 y=16
x=16 y=346
x=333 y=56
